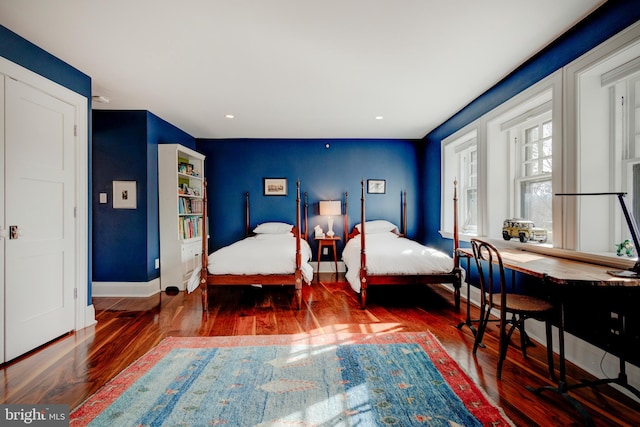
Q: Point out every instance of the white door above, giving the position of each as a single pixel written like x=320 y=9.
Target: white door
x=39 y=205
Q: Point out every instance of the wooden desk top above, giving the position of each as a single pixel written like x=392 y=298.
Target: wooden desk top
x=560 y=271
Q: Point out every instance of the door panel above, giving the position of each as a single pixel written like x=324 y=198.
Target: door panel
x=39 y=201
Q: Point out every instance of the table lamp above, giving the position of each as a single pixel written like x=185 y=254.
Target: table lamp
x=330 y=208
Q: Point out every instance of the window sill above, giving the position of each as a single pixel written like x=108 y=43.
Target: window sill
x=608 y=260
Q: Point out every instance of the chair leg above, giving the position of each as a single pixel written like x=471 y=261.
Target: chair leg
x=524 y=338
x=482 y=326
x=552 y=374
x=502 y=349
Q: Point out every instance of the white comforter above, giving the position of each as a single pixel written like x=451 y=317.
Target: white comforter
x=387 y=253
x=262 y=254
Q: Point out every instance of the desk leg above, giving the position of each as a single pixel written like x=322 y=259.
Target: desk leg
x=621 y=379
x=562 y=387
x=468 y=322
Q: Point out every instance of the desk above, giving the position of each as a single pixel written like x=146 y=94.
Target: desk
x=564 y=275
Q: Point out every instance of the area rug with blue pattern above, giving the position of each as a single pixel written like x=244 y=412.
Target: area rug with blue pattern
x=390 y=379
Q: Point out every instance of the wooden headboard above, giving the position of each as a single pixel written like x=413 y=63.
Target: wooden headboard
x=354 y=232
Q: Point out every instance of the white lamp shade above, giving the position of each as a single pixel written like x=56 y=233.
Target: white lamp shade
x=330 y=207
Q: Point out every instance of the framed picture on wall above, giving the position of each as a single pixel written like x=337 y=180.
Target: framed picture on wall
x=376 y=186
x=124 y=195
x=275 y=186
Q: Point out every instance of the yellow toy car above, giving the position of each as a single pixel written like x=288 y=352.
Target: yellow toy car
x=524 y=230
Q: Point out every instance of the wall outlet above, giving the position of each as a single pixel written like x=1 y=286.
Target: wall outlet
x=325 y=251
x=157 y=263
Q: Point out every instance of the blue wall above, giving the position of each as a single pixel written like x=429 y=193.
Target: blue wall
x=23 y=52
x=605 y=22
x=125 y=146
x=236 y=166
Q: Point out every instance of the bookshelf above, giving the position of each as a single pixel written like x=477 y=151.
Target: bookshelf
x=180 y=193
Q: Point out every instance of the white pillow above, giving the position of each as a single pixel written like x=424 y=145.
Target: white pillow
x=270 y=236
x=273 y=228
x=377 y=226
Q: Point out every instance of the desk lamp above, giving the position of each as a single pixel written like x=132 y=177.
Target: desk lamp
x=633 y=272
x=330 y=208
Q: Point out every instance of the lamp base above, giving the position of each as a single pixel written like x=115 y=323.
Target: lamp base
x=330 y=232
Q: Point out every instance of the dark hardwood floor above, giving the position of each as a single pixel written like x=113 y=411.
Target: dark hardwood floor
x=73 y=367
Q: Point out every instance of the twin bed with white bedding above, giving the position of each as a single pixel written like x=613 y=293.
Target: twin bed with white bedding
x=278 y=254
x=378 y=254
x=265 y=253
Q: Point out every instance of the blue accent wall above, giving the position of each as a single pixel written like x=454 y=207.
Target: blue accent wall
x=236 y=166
x=608 y=20
x=125 y=146
x=26 y=54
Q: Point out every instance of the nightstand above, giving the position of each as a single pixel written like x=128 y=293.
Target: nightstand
x=329 y=242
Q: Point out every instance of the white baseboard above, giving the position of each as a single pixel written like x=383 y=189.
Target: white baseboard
x=86 y=318
x=328 y=267
x=125 y=289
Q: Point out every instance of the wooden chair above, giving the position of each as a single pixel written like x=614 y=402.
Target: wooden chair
x=514 y=308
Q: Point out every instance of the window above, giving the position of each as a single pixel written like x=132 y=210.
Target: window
x=534 y=191
x=462 y=155
x=603 y=137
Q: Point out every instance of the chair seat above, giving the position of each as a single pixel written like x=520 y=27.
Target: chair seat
x=523 y=304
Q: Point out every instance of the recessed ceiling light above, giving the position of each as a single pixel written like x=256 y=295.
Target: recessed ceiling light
x=228 y=116
x=379 y=117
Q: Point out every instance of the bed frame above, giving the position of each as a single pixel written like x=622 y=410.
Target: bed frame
x=296 y=278
x=454 y=277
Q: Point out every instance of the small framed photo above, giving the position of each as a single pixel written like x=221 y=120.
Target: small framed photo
x=275 y=186
x=124 y=195
x=376 y=186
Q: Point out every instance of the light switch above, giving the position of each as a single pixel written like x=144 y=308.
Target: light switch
x=103 y=197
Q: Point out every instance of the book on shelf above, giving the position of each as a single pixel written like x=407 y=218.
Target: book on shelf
x=189 y=227
x=189 y=206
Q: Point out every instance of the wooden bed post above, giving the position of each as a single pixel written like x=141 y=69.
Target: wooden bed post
x=403 y=200
x=363 y=251
x=205 y=251
x=346 y=217
x=298 y=274
x=306 y=217
x=247 y=215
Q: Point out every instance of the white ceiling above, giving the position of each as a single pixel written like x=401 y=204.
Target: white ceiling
x=294 y=68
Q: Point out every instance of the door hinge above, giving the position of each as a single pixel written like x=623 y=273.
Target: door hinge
x=75 y=130
x=75 y=293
